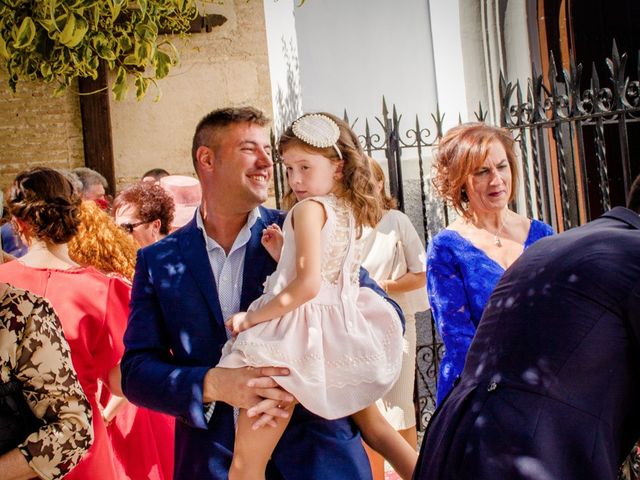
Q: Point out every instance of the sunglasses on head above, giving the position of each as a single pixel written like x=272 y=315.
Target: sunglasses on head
x=128 y=227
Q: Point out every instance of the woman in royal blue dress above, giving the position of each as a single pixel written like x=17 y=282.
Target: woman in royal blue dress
x=475 y=172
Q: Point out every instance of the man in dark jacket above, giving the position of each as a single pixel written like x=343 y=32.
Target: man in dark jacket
x=551 y=384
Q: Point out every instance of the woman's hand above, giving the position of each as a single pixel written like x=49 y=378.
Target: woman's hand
x=272 y=240
x=113 y=407
x=5 y=257
x=384 y=285
x=406 y=283
x=239 y=322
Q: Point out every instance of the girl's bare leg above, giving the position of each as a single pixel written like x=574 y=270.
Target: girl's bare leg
x=411 y=436
x=253 y=448
x=381 y=436
x=376 y=461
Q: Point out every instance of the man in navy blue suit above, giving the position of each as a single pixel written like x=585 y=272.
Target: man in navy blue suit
x=551 y=384
x=184 y=288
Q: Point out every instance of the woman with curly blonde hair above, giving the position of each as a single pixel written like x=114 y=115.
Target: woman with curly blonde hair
x=102 y=244
x=142 y=440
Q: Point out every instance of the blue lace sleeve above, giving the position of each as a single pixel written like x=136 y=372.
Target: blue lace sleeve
x=451 y=312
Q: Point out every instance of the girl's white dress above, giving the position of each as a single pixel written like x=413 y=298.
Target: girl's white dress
x=344 y=347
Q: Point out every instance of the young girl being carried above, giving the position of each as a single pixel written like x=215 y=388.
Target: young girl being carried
x=341 y=343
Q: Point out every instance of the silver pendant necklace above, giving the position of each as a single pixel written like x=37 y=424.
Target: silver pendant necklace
x=496 y=237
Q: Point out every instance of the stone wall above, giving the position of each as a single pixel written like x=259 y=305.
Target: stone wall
x=226 y=67
x=37 y=129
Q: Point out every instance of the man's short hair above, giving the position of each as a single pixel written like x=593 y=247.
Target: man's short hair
x=155 y=173
x=634 y=196
x=89 y=178
x=219 y=119
x=78 y=187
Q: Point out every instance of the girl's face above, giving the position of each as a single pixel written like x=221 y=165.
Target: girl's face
x=489 y=187
x=310 y=174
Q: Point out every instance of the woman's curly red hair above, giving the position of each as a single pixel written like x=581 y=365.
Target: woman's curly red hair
x=102 y=244
x=461 y=151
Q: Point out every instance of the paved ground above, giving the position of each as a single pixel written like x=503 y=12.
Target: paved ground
x=391 y=475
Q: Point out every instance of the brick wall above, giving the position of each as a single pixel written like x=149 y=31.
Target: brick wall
x=37 y=129
x=226 y=67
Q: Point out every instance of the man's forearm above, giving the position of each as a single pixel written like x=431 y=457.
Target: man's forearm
x=211 y=386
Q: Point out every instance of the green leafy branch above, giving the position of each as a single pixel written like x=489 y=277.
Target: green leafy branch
x=57 y=41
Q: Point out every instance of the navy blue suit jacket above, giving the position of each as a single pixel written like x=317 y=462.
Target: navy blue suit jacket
x=175 y=335
x=551 y=384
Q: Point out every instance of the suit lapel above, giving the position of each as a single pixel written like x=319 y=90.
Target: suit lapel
x=257 y=261
x=194 y=253
x=626 y=215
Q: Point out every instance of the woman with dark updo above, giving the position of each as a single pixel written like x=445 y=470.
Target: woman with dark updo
x=91 y=306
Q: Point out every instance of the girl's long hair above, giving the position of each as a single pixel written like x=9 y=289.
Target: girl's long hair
x=356 y=186
x=388 y=202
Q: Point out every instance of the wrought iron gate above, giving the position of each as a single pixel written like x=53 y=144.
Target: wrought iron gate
x=564 y=135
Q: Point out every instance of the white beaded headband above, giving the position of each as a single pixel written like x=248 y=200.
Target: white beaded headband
x=318 y=131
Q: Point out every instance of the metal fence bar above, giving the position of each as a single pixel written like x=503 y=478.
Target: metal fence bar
x=575 y=109
x=600 y=143
x=617 y=64
x=423 y=186
x=524 y=151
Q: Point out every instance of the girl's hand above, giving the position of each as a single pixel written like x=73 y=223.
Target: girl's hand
x=273 y=410
x=272 y=240
x=239 y=322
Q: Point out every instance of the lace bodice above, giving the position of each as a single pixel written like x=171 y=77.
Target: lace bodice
x=340 y=262
x=340 y=242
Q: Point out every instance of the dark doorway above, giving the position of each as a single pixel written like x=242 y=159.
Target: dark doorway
x=585 y=30
x=594 y=25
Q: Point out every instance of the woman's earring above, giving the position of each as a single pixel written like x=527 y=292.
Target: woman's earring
x=21 y=231
x=463 y=195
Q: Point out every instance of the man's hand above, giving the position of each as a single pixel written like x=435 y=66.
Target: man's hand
x=239 y=322
x=249 y=388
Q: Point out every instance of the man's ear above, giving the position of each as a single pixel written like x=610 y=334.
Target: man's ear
x=205 y=157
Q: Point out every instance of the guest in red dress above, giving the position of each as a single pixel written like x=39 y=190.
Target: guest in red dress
x=91 y=306
x=142 y=439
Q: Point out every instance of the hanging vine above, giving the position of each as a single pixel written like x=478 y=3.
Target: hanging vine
x=56 y=41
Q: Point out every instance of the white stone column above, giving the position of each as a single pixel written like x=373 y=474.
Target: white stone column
x=494 y=39
x=282 y=46
x=448 y=62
